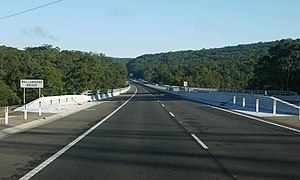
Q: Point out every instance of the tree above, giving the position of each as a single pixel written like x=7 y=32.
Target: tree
x=228 y=67
x=62 y=71
x=280 y=68
x=7 y=96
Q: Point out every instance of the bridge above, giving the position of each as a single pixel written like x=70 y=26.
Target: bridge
x=148 y=133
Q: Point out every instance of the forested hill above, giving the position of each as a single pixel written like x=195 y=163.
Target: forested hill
x=122 y=60
x=63 y=72
x=228 y=67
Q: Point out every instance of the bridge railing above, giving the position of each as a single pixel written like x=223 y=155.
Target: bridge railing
x=243 y=91
x=53 y=104
x=235 y=99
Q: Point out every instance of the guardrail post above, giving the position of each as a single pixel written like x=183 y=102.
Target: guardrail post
x=234 y=100
x=6 y=116
x=244 y=103
x=257 y=105
x=274 y=107
x=40 y=108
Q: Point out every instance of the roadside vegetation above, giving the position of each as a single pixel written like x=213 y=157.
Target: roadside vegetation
x=269 y=65
x=264 y=65
x=63 y=72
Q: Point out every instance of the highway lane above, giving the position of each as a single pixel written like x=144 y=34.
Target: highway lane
x=22 y=152
x=141 y=141
x=150 y=138
x=248 y=149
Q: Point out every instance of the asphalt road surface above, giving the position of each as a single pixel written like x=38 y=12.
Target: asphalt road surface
x=152 y=136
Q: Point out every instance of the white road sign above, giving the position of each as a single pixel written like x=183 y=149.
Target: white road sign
x=32 y=83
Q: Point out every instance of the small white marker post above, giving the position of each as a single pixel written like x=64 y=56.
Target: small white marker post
x=40 y=108
x=244 y=103
x=67 y=103
x=234 y=100
x=59 y=104
x=50 y=105
x=299 y=110
x=257 y=105
x=25 y=112
x=274 y=107
x=6 y=116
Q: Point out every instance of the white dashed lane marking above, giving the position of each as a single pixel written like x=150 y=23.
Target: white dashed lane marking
x=199 y=141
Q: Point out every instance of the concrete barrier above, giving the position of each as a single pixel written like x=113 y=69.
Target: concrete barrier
x=236 y=101
x=55 y=104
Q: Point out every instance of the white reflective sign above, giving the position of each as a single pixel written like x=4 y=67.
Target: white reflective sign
x=32 y=83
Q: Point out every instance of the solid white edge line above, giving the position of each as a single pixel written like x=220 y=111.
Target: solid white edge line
x=199 y=141
x=64 y=149
x=172 y=114
x=257 y=119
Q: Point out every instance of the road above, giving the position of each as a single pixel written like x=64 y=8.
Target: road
x=152 y=136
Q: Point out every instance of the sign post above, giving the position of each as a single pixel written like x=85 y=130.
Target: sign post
x=24 y=102
x=30 y=83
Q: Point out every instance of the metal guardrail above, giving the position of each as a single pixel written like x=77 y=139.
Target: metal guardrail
x=239 y=101
x=103 y=91
x=261 y=92
x=242 y=91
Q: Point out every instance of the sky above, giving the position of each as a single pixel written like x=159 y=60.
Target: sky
x=130 y=28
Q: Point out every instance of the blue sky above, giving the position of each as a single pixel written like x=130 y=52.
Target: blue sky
x=129 y=28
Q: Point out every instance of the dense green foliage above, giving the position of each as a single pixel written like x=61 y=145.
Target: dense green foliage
x=228 y=67
x=123 y=60
x=280 y=68
x=7 y=96
x=271 y=65
x=63 y=72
